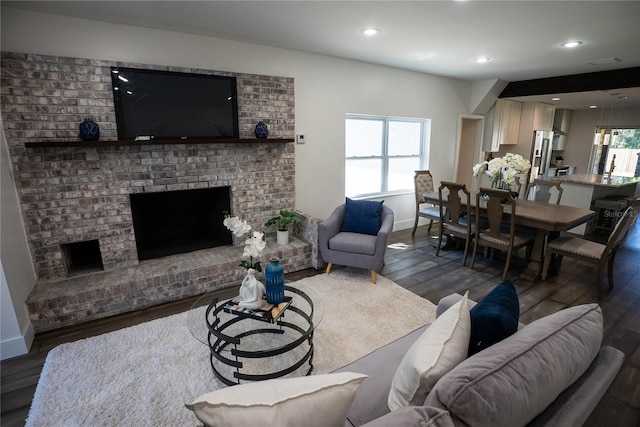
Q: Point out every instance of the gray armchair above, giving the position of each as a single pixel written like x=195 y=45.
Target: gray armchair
x=354 y=249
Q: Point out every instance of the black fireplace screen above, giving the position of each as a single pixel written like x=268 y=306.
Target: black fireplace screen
x=174 y=222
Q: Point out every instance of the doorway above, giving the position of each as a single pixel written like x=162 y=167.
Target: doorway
x=469 y=149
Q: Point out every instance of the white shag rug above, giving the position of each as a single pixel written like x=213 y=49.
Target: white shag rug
x=143 y=375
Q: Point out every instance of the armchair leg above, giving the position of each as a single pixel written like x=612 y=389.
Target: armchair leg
x=374 y=277
x=328 y=270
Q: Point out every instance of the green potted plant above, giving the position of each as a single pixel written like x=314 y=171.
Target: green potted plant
x=282 y=222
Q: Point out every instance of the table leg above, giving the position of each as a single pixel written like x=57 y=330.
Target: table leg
x=534 y=268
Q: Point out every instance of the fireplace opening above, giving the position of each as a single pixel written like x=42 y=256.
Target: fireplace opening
x=82 y=257
x=175 y=222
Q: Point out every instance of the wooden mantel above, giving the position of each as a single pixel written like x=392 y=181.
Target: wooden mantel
x=52 y=144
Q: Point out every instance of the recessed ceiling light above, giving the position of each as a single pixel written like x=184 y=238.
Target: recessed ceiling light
x=482 y=60
x=370 y=31
x=605 y=61
x=593 y=106
x=555 y=99
x=571 y=44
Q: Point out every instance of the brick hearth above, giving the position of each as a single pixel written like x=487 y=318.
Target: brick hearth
x=58 y=303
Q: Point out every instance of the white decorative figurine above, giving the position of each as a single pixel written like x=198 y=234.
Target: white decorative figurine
x=251 y=291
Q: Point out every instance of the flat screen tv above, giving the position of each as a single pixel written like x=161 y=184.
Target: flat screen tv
x=166 y=104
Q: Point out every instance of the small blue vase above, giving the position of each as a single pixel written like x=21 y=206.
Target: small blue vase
x=262 y=131
x=274 y=278
x=89 y=130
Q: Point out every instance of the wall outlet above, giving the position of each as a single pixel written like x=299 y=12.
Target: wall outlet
x=301 y=139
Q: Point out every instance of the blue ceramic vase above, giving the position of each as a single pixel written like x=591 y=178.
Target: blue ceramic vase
x=274 y=281
x=262 y=131
x=89 y=130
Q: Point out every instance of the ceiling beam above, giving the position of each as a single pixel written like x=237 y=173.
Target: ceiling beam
x=601 y=80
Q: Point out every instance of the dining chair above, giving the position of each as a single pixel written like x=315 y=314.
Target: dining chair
x=499 y=230
x=592 y=252
x=423 y=183
x=542 y=190
x=453 y=221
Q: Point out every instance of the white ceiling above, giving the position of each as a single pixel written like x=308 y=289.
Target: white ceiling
x=522 y=38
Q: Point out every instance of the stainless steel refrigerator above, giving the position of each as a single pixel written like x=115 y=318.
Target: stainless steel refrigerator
x=541 y=154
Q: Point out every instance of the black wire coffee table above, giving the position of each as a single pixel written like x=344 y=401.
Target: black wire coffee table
x=244 y=349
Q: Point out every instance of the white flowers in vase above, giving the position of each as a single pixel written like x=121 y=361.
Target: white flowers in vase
x=502 y=171
x=253 y=246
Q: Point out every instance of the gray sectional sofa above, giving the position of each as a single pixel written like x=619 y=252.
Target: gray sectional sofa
x=551 y=372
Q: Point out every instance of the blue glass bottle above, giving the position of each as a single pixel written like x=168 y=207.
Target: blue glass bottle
x=274 y=278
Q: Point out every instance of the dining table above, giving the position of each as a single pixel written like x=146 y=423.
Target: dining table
x=544 y=218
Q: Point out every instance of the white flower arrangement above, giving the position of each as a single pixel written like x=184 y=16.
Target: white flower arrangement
x=502 y=171
x=253 y=246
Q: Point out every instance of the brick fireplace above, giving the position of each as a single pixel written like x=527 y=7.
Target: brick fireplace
x=76 y=195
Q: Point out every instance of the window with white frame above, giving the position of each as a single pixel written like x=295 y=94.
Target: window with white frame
x=383 y=153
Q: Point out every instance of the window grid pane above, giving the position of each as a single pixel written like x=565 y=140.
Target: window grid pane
x=401 y=171
x=404 y=138
x=363 y=176
x=364 y=137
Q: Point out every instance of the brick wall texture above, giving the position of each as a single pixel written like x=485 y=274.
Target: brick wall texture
x=73 y=194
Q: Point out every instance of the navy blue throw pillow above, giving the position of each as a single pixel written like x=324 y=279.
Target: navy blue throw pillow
x=494 y=318
x=362 y=216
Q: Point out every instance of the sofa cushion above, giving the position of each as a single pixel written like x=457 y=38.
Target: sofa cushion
x=316 y=400
x=514 y=380
x=494 y=318
x=440 y=348
x=422 y=416
x=362 y=216
x=380 y=365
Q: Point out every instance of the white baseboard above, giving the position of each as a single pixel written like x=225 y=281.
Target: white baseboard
x=408 y=223
x=17 y=346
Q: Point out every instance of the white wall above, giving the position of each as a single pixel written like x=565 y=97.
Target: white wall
x=16 y=269
x=582 y=129
x=326 y=89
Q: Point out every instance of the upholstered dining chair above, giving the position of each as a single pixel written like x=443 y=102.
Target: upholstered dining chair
x=603 y=256
x=499 y=230
x=423 y=183
x=356 y=235
x=542 y=189
x=453 y=222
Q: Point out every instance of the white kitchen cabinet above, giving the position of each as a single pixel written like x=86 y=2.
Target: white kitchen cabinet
x=535 y=116
x=543 y=116
x=502 y=124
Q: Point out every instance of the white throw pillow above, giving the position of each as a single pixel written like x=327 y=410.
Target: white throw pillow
x=314 y=401
x=442 y=346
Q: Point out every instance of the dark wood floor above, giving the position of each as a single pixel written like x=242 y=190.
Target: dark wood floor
x=411 y=262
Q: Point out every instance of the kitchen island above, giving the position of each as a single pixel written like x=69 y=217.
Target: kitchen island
x=581 y=190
